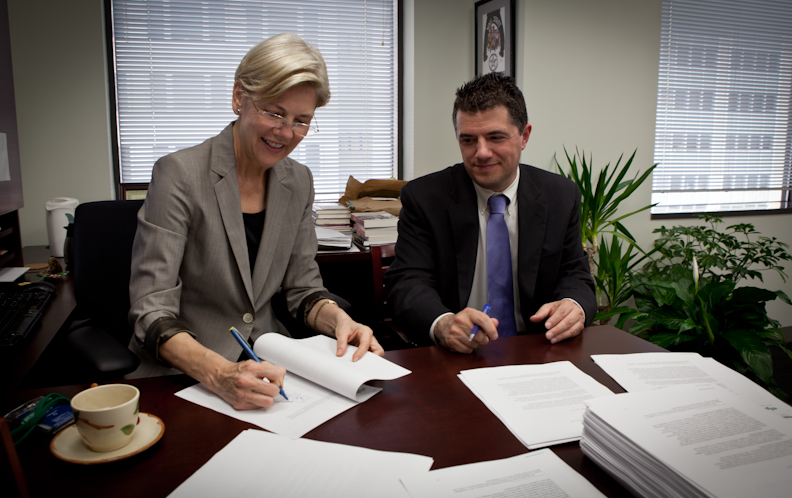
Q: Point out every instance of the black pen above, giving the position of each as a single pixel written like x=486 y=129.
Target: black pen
x=251 y=354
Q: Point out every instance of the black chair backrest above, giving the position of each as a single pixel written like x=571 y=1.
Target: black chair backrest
x=102 y=239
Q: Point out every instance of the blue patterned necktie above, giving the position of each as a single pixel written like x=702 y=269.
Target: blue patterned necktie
x=500 y=287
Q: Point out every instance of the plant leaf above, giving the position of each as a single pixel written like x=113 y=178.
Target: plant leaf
x=753 y=351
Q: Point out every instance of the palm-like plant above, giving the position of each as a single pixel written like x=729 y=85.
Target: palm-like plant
x=599 y=202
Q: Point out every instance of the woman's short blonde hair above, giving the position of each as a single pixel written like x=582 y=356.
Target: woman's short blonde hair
x=279 y=63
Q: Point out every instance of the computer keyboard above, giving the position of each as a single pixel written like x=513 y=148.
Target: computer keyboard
x=20 y=311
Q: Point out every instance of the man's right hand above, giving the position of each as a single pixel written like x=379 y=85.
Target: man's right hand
x=453 y=331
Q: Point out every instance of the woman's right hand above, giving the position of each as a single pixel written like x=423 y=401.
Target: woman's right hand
x=242 y=386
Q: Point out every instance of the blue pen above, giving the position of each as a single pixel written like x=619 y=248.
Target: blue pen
x=486 y=311
x=250 y=353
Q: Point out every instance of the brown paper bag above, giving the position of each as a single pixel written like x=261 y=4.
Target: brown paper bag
x=358 y=196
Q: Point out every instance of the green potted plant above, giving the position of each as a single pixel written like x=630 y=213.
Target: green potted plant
x=687 y=299
x=599 y=203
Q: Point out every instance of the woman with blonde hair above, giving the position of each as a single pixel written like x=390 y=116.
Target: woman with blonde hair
x=227 y=224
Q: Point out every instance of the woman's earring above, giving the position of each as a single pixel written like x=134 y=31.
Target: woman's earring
x=237 y=110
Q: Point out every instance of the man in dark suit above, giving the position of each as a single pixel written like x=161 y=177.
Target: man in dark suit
x=438 y=283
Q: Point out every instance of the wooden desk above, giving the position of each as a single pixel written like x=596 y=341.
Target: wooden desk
x=429 y=412
x=16 y=361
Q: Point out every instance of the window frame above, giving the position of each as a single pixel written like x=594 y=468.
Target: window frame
x=786 y=191
x=130 y=190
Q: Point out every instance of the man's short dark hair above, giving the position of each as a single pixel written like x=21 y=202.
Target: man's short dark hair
x=488 y=91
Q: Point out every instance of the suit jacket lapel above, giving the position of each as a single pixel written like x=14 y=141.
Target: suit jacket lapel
x=463 y=217
x=532 y=220
x=227 y=192
x=278 y=203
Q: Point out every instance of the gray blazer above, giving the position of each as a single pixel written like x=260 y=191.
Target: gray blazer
x=190 y=256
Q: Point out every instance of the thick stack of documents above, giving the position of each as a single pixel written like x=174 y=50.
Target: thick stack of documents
x=332 y=239
x=542 y=405
x=690 y=441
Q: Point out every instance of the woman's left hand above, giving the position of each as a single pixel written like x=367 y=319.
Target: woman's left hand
x=335 y=322
x=351 y=332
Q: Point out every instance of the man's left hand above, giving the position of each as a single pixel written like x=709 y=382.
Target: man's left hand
x=563 y=319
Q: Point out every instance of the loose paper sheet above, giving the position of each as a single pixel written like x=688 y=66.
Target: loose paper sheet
x=10 y=274
x=538 y=474
x=638 y=372
x=541 y=404
x=309 y=404
x=258 y=463
x=5 y=165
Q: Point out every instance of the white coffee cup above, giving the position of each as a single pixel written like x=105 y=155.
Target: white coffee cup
x=107 y=415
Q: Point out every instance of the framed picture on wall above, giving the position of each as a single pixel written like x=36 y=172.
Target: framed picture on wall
x=495 y=37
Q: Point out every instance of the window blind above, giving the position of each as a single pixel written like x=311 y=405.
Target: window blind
x=174 y=73
x=723 y=137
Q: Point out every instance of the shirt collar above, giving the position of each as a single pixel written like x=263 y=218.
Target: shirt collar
x=483 y=195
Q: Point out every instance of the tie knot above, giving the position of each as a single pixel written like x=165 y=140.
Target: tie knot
x=498 y=204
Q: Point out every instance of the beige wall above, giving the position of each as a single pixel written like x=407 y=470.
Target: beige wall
x=62 y=106
x=588 y=71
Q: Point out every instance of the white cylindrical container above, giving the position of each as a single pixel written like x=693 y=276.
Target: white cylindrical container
x=57 y=221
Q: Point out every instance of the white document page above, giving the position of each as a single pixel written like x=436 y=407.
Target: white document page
x=310 y=404
x=314 y=358
x=541 y=405
x=716 y=441
x=538 y=474
x=5 y=168
x=327 y=237
x=258 y=463
x=637 y=372
x=10 y=274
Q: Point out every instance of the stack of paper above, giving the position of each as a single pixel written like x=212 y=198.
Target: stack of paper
x=648 y=371
x=332 y=239
x=690 y=441
x=319 y=384
x=258 y=463
x=541 y=405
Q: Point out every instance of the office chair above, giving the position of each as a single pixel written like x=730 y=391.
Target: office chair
x=103 y=235
x=387 y=333
x=102 y=239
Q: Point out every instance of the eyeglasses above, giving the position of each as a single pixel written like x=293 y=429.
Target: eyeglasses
x=277 y=121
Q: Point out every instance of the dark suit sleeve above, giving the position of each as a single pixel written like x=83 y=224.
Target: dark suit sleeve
x=574 y=277
x=411 y=280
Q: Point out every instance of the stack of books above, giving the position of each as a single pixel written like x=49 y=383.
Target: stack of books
x=331 y=215
x=374 y=228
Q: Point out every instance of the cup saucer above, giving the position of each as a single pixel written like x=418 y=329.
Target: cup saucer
x=69 y=446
